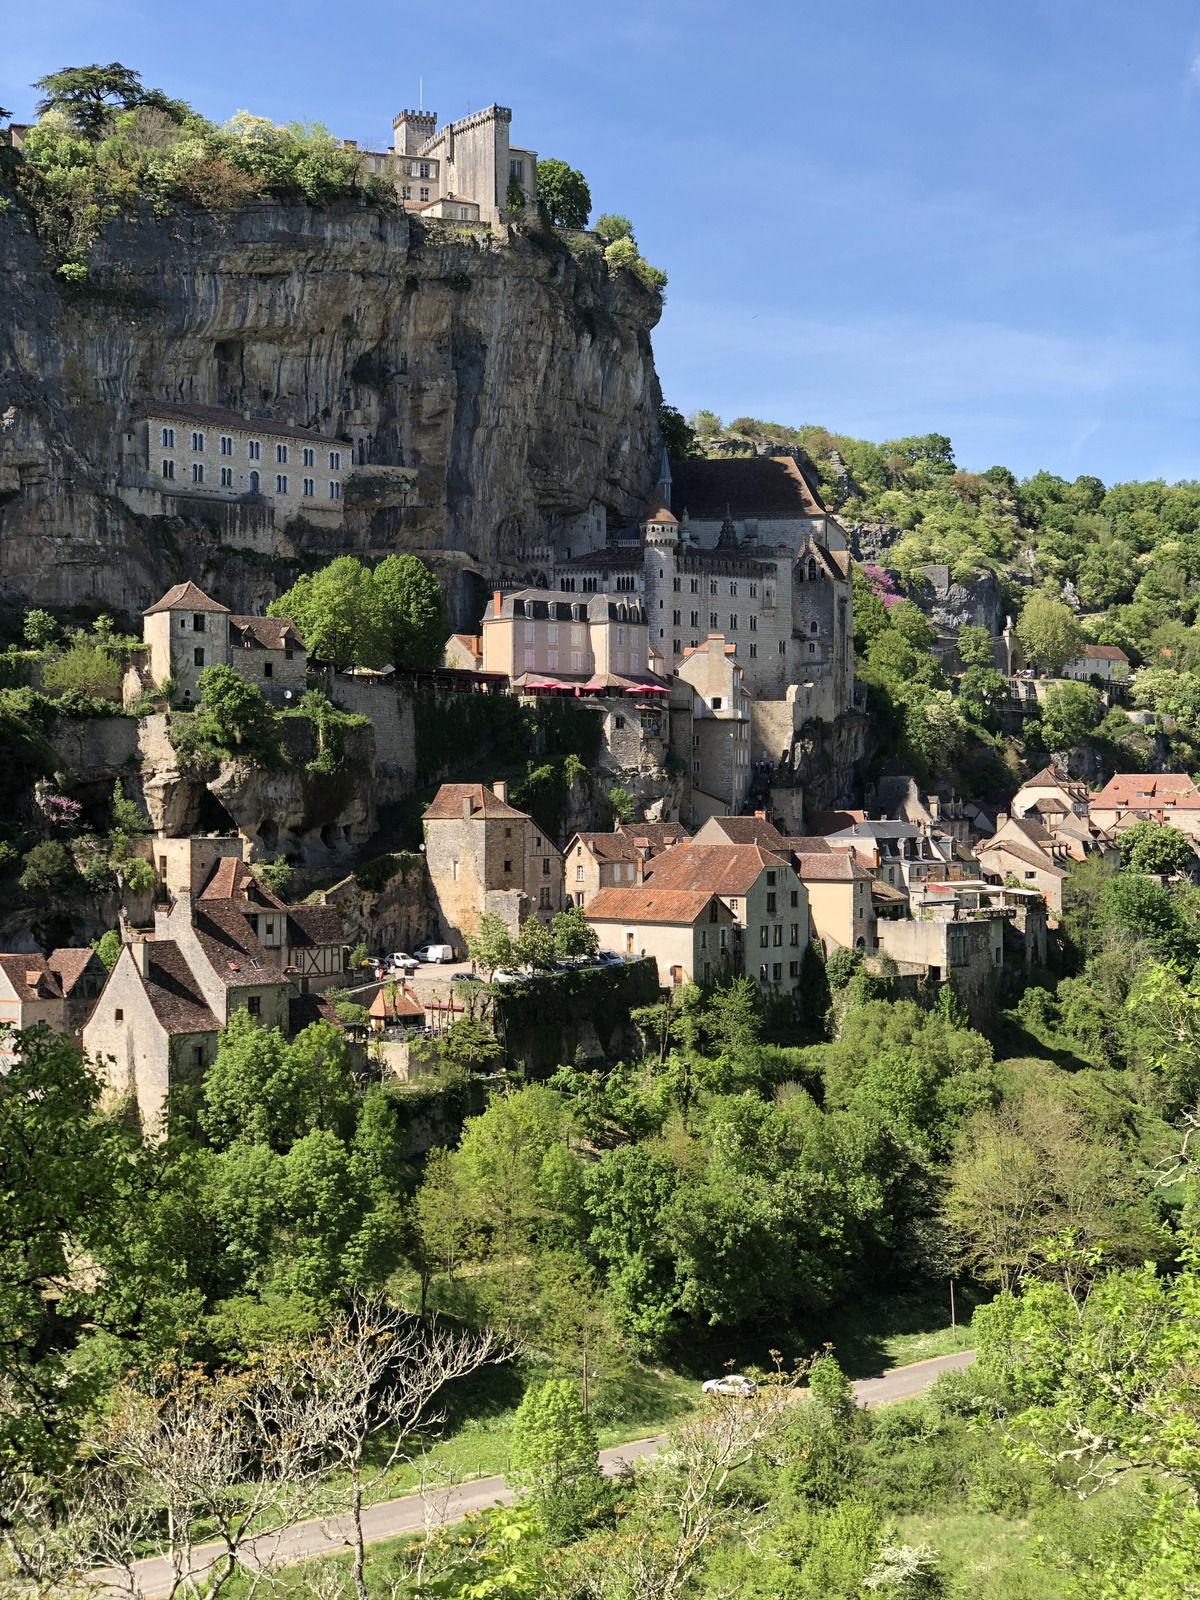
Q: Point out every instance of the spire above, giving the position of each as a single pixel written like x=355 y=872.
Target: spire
x=664 y=479
x=727 y=539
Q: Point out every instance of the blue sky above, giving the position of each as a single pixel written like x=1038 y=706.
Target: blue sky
x=885 y=216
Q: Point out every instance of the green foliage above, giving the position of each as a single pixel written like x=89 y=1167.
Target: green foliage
x=125 y=816
x=413 y=610
x=1049 y=633
x=1069 y=713
x=624 y=805
x=261 y=1090
x=39 y=629
x=329 y=725
x=85 y=670
x=564 y=193
x=137 y=875
x=108 y=948
x=514 y=196
x=357 y=957
x=573 y=934
x=553 y=1441
x=609 y=225
x=48 y=872
x=491 y=944
x=375 y=875
x=678 y=437
x=534 y=946
x=623 y=253
x=470 y=1044
x=88 y=96
x=277 y=876
x=1150 y=847
x=233 y=716
x=975 y=647
x=842 y=965
x=339 y=615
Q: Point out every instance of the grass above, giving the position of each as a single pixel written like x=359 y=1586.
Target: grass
x=984 y=1555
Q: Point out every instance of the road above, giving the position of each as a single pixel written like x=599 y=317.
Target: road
x=412 y=1513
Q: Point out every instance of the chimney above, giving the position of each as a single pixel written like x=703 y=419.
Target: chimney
x=500 y=790
x=466 y=808
x=141 y=956
x=1001 y=819
x=761 y=815
x=496 y=602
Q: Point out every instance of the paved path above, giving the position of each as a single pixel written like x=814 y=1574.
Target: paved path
x=391 y=1518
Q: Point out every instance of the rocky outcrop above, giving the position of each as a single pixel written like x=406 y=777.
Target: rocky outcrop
x=400 y=916
x=829 y=761
x=513 y=379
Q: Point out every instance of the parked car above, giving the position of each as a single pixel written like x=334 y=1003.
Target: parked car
x=508 y=975
x=733 y=1383
x=608 y=958
x=401 y=958
x=436 y=952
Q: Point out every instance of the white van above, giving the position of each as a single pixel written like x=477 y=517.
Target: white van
x=435 y=952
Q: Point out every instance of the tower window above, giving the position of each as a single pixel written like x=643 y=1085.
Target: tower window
x=197 y=441
x=281 y=451
x=168 y=438
x=168 y=469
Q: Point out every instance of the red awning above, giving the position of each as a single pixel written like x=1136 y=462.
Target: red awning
x=646 y=688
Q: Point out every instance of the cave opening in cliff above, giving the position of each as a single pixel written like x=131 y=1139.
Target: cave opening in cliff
x=212 y=816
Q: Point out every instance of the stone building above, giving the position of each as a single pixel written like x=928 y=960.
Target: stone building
x=485 y=855
x=721 y=712
x=689 y=933
x=764 y=895
x=272 y=471
x=840 y=903
x=948 y=942
x=601 y=640
x=595 y=861
x=470 y=161
x=188 y=631
x=59 y=989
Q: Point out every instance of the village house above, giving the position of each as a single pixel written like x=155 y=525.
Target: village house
x=1023 y=851
x=1104 y=661
x=689 y=933
x=535 y=636
x=840 y=905
x=484 y=855
x=1170 y=798
x=762 y=892
x=595 y=861
x=306 y=941
x=188 y=631
x=720 y=753
x=1050 y=795
x=948 y=942
x=59 y=990
x=463 y=652
x=743 y=830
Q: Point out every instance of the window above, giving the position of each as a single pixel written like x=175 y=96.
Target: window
x=675 y=650
x=168 y=438
x=516 y=169
x=254 y=483
x=754 y=652
x=579 y=874
x=281 y=483
x=696 y=768
x=733 y=905
x=198 y=622
x=771 y=876
x=253 y=450
x=764 y=936
x=254 y=1005
x=678 y=585
x=777 y=972
x=716 y=702
x=268 y=669
x=422 y=169
x=198 y=472
x=335 y=490
x=118 y=1015
x=762 y=973
x=406 y=191
x=712 y=619
x=695 y=619
x=197 y=441
x=732 y=620
x=168 y=469
x=733 y=588
x=227 y=477
x=544 y=899
x=754 y=591
x=812 y=649
x=778 y=939
x=508 y=833
x=545 y=866
x=676 y=618
x=281 y=451
x=695 y=585
x=713 y=912
x=335 y=461
x=628 y=944
x=753 y=624
x=795 y=897
x=508 y=866
x=198 y=655
x=226 y=445
x=1031 y=874
x=695 y=741
x=424 y=194
x=307 y=486
x=310 y=458
x=712 y=586
x=619 y=722
x=771 y=903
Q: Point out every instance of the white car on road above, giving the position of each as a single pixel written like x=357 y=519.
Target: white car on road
x=734 y=1384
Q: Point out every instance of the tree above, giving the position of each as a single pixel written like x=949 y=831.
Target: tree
x=411 y=604
x=260 y=1089
x=40 y=630
x=87 y=96
x=1049 y=633
x=277 y=877
x=678 y=436
x=624 y=806
x=733 y=1022
x=85 y=670
x=108 y=948
x=470 y=1043
x=564 y=193
x=610 y=225
x=573 y=934
x=49 y=871
x=535 y=946
x=1149 y=847
x=440 y=1220
x=553 y=1443
x=125 y=816
x=491 y=945
x=975 y=646
x=338 y=612
x=233 y=713
x=1069 y=713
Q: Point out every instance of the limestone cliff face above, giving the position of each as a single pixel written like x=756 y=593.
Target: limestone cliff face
x=516 y=378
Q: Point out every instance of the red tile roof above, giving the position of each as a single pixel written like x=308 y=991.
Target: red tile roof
x=1103 y=652
x=823 y=822
x=31 y=977
x=808 y=845
x=654 y=835
x=605 y=846
x=1020 y=852
x=265 y=633
x=726 y=869
x=184 y=597
x=747 y=830
x=447 y=804
x=1147 y=789
x=674 y=907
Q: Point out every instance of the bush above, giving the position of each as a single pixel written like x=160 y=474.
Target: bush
x=277 y=877
x=842 y=965
x=85 y=670
x=98 y=877
x=49 y=872
x=108 y=948
x=375 y=875
x=138 y=875
x=1036 y=1008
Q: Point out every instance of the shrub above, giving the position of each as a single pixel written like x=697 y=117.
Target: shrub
x=49 y=872
x=98 y=877
x=85 y=670
x=842 y=965
x=376 y=874
x=40 y=629
x=108 y=948
x=277 y=876
x=234 y=716
x=1036 y=1008
x=138 y=876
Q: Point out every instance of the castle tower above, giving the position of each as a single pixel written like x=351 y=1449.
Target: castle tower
x=411 y=129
